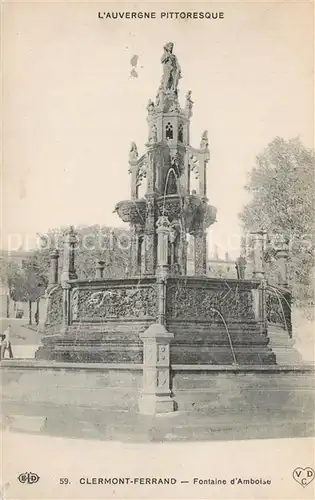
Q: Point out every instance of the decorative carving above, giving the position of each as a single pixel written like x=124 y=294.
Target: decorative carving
x=133 y=152
x=150 y=107
x=150 y=206
x=209 y=214
x=153 y=135
x=240 y=265
x=54 y=309
x=170 y=207
x=159 y=101
x=175 y=107
x=189 y=104
x=175 y=161
x=70 y=243
x=163 y=377
x=141 y=172
x=171 y=68
x=204 y=143
x=198 y=214
x=196 y=303
x=118 y=303
x=162 y=354
x=132 y=211
x=74 y=304
x=194 y=165
x=163 y=222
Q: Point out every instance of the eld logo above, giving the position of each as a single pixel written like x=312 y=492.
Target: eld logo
x=303 y=476
x=28 y=478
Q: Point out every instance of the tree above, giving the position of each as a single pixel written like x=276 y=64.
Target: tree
x=25 y=283
x=34 y=284
x=282 y=203
x=94 y=243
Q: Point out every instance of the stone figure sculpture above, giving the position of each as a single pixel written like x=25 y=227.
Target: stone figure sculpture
x=204 y=143
x=133 y=152
x=171 y=68
x=189 y=104
x=150 y=107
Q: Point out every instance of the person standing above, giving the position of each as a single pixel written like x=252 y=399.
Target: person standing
x=6 y=343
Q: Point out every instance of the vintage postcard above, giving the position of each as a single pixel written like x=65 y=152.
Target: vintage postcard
x=157 y=251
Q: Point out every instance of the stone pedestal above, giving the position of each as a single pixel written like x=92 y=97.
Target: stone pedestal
x=156 y=393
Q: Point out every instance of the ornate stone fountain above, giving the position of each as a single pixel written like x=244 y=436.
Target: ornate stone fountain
x=159 y=316
x=167 y=166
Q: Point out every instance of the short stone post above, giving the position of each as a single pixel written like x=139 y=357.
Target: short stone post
x=99 y=270
x=156 y=392
x=258 y=243
x=240 y=265
x=53 y=270
x=282 y=261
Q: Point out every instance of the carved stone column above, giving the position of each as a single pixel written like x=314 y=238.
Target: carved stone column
x=134 y=259
x=163 y=235
x=68 y=269
x=163 y=232
x=182 y=253
x=203 y=160
x=150 y=237
x=258 y=244
x=68 y=273
x=282 y=261
x=53 y=270
x=66 y=297
x=156 y=392
x=200 y=252
x=133 y=170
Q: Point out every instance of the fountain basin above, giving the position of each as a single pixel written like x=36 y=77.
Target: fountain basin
x=214 y=321
x=132 y=211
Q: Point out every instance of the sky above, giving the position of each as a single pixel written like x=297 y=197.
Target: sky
x=71 y=106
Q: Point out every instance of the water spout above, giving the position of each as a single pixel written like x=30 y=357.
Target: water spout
x=228 y=334
x=171 y=170
x=281 y=306
x=182 y=220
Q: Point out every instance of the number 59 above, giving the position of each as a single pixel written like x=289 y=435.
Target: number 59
x=63 y=480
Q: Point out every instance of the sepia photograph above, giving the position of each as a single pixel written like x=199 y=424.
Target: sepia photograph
x=157 y=250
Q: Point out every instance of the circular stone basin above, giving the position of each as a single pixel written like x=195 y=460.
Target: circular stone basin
x=133 y=211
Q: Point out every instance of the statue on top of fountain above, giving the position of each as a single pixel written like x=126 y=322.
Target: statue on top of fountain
x=171 y=69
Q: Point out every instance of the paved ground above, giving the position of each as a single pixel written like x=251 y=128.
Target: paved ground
x=25 y=339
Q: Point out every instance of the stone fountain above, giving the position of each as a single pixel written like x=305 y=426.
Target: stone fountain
x=158 y=315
